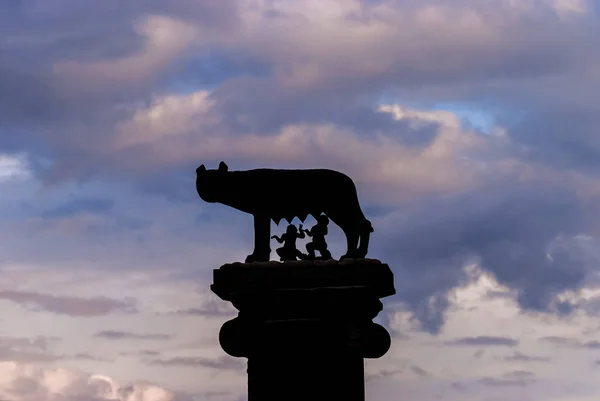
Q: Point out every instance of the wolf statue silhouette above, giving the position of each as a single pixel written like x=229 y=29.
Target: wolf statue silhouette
x=284 y=194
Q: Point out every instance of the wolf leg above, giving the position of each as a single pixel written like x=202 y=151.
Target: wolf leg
x=352 y=240
x=262 y=237
x=365 y=236
x=363 y=248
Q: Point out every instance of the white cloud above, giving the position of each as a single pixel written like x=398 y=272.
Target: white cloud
x=571 y=8
x=475 y=312
x=334 y=42
x=23 y=382
x=182 y=127
x=13 y=168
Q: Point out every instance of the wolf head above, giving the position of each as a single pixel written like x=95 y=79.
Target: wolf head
x=211 y=184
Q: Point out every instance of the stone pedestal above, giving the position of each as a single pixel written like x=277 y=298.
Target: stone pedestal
x=305 y=327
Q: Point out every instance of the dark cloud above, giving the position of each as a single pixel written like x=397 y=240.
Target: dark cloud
x=509 y=229
x=176 y=185
x=123 y=335
x=216 y=394
x=222 y=363
x=592 y=344
x=208 y=311
x=215 y=66
x=564 y=138
x=520 y=357
x=384 y=373
x=558 y=340
x=209 y=305
x=519 y=374
x=71 y=306
x=517 y=378
x=502 y=382
x=459 y=386
x=83 y=205
x=485 y=340
x=271 y=108
x=570 y=342
x=84 y=356
x=144 y=352
x=420 y=371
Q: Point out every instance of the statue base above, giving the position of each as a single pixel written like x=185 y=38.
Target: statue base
x=305 y=327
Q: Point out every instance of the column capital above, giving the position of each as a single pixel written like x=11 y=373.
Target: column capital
x=299 y=307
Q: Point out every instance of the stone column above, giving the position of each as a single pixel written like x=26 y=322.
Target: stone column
x=305 y=327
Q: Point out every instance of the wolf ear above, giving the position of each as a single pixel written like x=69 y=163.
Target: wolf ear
x=223 y=167
x=201 y=169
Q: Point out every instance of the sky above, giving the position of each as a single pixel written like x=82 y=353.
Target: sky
x=468 y=126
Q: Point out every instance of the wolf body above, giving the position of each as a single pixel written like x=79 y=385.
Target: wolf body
x=271 y=194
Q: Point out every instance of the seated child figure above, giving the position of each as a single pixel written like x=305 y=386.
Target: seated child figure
x=289 y=251
x=318 y=233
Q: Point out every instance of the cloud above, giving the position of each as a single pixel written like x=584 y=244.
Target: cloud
x=145 y=352
x=222 y=363
x=377 y=14
x=23 y=382
x=521 y=357
x=209 y=306
x=517 y=378
x=485 y=340
x=505 y=228
x=377 y=89
x=502 y=382
x=570 y=342
x=382 y=374
x=166 y=38
x=561 y=136
x=459 y=386
x=420 y=371
x=520 y=374
x=449 y=163
x=11 y=354
x=140 y=48
x=434 y=147
x=38 y=350
x=83 y=205
x=41 y=343
x=122 y=335
x=556 y=340
x=67 y=305
x=209 y=312
x=88 y=357
x=345 y=51
x=13 y=168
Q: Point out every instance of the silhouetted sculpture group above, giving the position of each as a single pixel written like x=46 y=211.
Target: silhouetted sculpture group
x=289 y=251
x=332 y=195
x=305 y=328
